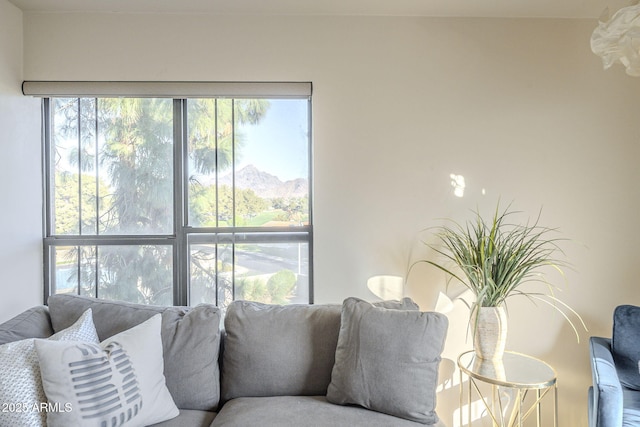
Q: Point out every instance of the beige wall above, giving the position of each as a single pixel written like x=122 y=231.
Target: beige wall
x=20 y=177
x=521 y=108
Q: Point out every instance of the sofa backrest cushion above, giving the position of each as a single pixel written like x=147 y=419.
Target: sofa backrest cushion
x=387 y=360
x=32 y=323
x=625 y=344
x=190 y=341
x=281 y=350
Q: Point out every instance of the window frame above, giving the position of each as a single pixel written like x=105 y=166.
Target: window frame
x=183 y=233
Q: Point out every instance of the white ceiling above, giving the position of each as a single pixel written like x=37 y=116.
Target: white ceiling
x=589 y=9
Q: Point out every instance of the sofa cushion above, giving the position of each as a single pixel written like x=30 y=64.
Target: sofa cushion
x=625 y=344
x=296 y=411
x=32 y=323
x=190 y=340
x=190 y=418
x=119 y=381
x=279 y=350
x=387 y=360
x=20 y=380
x=275 y=350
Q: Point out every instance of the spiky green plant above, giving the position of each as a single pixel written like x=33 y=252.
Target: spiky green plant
x=497 y=257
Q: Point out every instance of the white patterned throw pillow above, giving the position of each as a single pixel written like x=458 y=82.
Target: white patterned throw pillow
x=119 y=382
x=21 y=393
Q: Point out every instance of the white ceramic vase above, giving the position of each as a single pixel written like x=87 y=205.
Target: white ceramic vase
x=490 y=332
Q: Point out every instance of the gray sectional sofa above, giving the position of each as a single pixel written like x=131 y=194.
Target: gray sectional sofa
x=267 y=365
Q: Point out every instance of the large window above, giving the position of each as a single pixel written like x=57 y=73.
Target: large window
x=178 y=200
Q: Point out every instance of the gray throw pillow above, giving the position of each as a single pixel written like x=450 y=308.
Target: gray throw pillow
x=281 y=350
x=405 y=303
x=387 y=360
x=190 y=341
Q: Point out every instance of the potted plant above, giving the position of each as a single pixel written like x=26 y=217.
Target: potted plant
x=493 y=259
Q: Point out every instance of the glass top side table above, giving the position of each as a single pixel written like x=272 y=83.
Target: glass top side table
x=516 y=372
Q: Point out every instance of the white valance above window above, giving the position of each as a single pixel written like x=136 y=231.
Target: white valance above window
x=167 y=89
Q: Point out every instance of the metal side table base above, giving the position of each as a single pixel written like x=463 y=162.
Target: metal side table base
x=515 y=376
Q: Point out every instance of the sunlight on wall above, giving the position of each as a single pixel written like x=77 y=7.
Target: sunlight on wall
x=477 y=409
x=444 y=303
x=459 y=185
x=479 y=414
x=457 y=182
x=386 y=287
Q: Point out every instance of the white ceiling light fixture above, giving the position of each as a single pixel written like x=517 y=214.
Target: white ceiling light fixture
x=617 y=39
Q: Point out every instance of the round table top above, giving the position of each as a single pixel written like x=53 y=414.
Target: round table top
x=513 y=370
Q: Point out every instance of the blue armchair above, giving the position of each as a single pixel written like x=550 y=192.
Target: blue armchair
x=614 y=398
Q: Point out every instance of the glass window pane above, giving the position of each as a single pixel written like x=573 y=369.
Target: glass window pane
x=211 y=273
x=72 y=276
x=65 y=113
x=272 y=165
x=113 y=166
x=134 y=273
x=248 y=162
x=272 y=273
x=210 y=137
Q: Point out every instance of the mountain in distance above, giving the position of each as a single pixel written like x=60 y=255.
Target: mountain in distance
x=266 y=185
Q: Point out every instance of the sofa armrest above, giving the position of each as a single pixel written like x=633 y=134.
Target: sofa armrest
x=607 y=398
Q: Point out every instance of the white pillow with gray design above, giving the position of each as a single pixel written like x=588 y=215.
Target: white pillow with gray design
x=118 y=382
x=20 y=384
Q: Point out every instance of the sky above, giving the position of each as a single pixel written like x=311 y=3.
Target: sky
x=279 y=143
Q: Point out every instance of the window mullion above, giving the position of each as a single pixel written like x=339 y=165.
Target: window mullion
x=233 y=266
x=181 y=181
x=79 y=130
x=48 y=257
x=97 y=166
x=216 y=285
x=233 y=164
x=216 y=272
x=233 y=197
x=216 y=168
x=96 y=261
